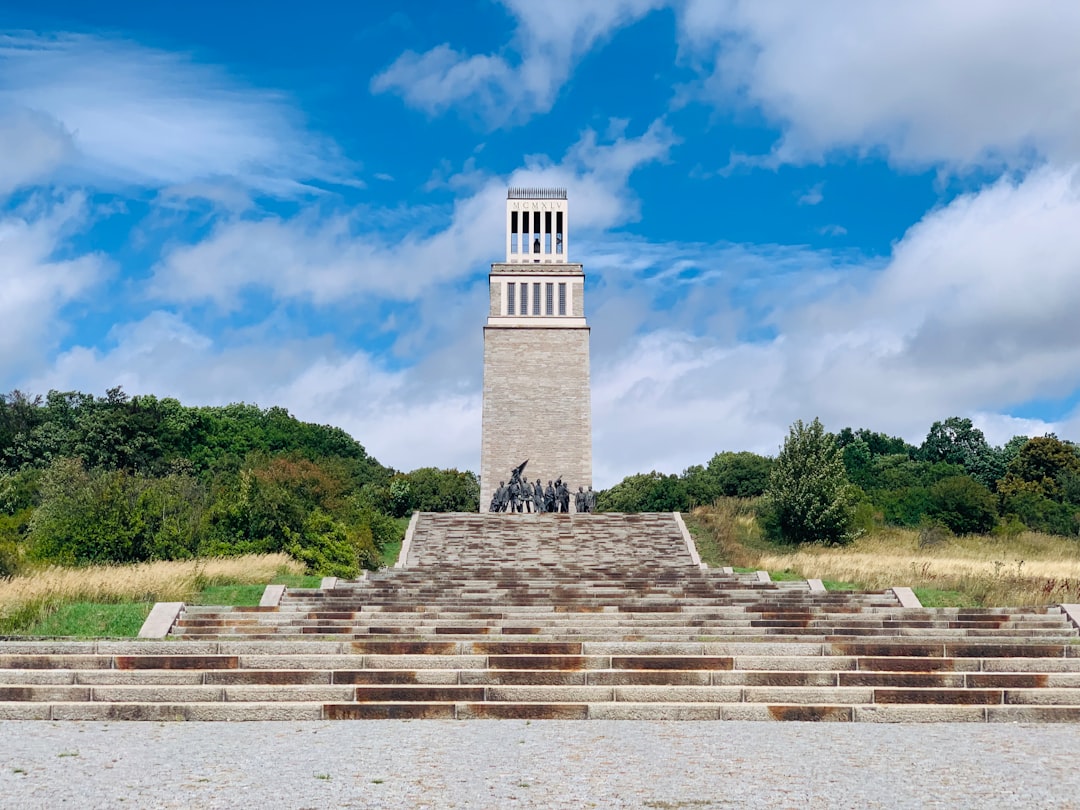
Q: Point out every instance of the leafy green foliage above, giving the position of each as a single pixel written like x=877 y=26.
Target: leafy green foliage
x=963 y=504
x=428 y=489
x=809 y=498
x=735 y=475
x=125 y=479
x=648 y=492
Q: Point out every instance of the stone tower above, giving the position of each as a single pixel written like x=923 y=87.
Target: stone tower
x=536 y=352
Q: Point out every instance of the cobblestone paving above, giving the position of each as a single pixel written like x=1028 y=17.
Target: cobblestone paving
x=505 y=764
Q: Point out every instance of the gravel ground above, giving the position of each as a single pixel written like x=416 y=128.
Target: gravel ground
x=510 y=763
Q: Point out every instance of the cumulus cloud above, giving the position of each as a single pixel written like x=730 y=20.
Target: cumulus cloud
x=36 y=284
x=973 y=314
x=550 y=38
x=957 y=83
x=115 y=111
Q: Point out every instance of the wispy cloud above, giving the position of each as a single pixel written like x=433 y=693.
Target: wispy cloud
x=111 y=111
x=550 y=38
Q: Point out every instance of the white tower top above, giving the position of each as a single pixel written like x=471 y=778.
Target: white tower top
x=536 y=226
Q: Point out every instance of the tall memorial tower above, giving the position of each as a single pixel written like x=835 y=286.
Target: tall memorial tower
x=536 y=352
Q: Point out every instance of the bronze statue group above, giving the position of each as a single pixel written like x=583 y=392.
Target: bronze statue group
x=521 y=496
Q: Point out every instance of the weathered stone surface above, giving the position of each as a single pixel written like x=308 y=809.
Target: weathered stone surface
x=25 y=711
x=678 y=694
x=300 y=692
x=536 y=406
x=920 y=714
x=796 y=713
x=815 y=695
x=155 y=693
x=161 y=619
x=176 y=661
x=654 y=711
x=523 y=711
x=1044 y=697
x=1033 y=714
x=389 y=711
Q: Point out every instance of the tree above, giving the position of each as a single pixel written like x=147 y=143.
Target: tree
x=809 y=498
x=958 y=441
x=740 y=475
x=645 y=492
x=963 y=504
x=1041 y=466
x=878 y=444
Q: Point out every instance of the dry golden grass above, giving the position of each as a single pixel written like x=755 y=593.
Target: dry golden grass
x=156 y=581
x=1028 y=569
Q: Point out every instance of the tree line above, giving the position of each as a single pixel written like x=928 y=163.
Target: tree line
x=87 y=479
x=955 y=479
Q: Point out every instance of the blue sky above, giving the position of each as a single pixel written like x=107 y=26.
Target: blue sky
x=867 y=212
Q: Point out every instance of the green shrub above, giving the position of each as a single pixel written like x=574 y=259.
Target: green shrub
x=327 y=548
x=809 y=498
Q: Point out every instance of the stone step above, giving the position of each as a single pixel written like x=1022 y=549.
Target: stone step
x=593 y=657
x=881 y=691
x=282 y=679
x=474 y=621
x=292 y=711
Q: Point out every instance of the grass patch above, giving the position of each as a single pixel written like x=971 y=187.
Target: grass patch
x=297 y=580
x=933 y=597
x=245 y=595
x=93 y=620
x=389 y=553
x=834 y=585
x=727 y=533
x=28 y=601
x=785 y=576
x=229 y=595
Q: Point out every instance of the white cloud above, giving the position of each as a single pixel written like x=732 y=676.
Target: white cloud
x=549 y=40
x=958 y=83
x=36 y=284
x=32 y=145
x=974 y=314
x=116 y=111
x=327 y=260
x=813 y=195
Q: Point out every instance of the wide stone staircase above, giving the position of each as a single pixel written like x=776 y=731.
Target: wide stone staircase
x=563 y=616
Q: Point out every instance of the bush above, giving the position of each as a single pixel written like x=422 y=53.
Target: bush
x=809 y=498
x=329 y=550
x=963 y=504
x=933 y=533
